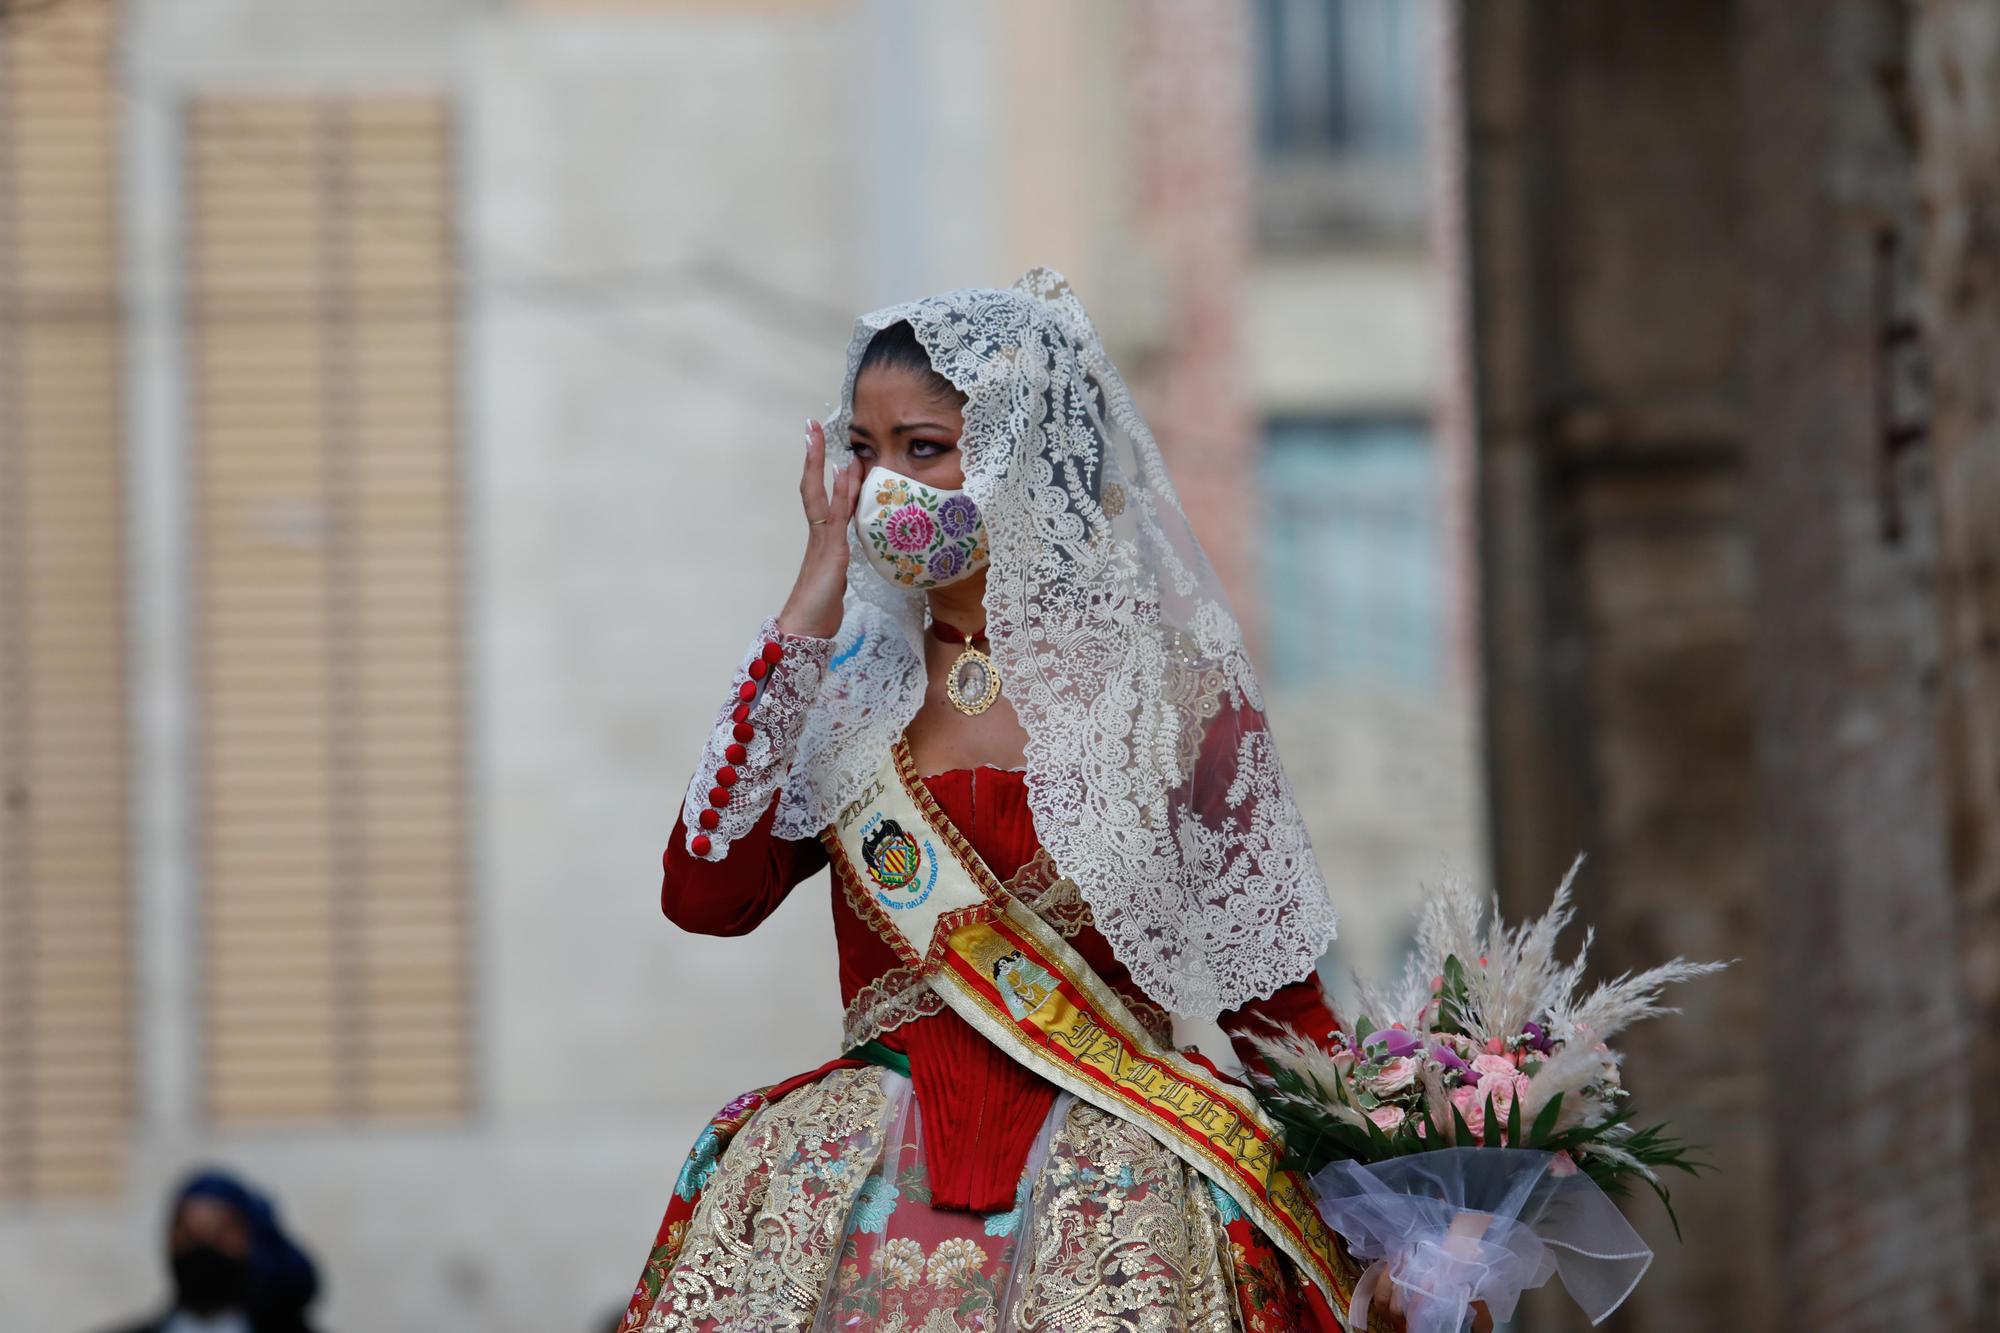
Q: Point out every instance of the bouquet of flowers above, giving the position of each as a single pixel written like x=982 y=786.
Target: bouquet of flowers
x=1466 y=1134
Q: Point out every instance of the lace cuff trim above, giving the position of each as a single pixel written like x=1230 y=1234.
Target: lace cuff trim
x=898 y=996
x=749 y=751
x=1051 y=897
x=901 y=995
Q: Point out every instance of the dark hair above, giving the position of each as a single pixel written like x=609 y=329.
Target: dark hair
x=896 y=347
x=282 y=1279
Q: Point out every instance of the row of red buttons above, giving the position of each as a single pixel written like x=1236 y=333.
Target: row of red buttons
x=725 y=777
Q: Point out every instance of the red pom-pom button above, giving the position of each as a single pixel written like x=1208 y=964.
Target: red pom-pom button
x=759 y=668
x=736 y=753
x=718 y=796
x=700 y=845
x=709 y=819
x=725 y=776
x=773 y=651
x=744 y=731
x=747 y=691
x=741 y=713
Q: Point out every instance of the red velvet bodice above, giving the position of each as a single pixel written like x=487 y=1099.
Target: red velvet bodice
x=980 y=1109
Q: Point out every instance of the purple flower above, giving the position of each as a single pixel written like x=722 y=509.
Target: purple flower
x=947 y=562
x=1538 y=1037
x=958 y=516
x=1447 y=1057
x=1398 y=1041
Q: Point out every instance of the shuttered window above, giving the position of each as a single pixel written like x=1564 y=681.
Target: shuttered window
x=65 y=952
x=321 y=282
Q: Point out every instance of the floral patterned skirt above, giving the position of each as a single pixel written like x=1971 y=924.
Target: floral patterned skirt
x=806 y=1207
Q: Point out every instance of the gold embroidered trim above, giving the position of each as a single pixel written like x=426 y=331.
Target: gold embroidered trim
x=1141 y=1247
x=767 y=1232
x=913 y=784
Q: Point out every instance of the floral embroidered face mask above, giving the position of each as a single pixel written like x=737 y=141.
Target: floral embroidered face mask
x=918 y=536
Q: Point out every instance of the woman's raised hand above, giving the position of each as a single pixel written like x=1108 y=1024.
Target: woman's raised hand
x=813 y=609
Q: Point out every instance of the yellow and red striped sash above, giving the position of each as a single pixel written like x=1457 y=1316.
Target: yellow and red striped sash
x=1016 y=980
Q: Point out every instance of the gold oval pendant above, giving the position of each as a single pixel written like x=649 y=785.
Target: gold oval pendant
x=972 y=684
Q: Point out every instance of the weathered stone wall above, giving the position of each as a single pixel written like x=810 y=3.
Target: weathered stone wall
x=1876 y=1204
x=1955 y=94
x=1607 y=310
x=1737 y=294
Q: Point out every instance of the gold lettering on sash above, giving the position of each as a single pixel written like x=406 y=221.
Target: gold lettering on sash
x=1176 y=1097
x=1103 y=1053
x=1148 y=1078
x=1215 y=1119
x=1212 y=1118
x=1291 y=1200
x=1253 y=1154
x=1077 y=1034
x=861 y=804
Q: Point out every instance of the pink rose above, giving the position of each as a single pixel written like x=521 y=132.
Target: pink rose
x=1387 y=1118
x=1495 y=1046
x=1471 y=1104
x=1564 y=1164
x=1504 y=1099
x=1395 y=1075
x=1497 y=1079
x=1462 y=1046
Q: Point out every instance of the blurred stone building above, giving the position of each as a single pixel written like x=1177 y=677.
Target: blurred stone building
x=397 y=406
x=1736 y=309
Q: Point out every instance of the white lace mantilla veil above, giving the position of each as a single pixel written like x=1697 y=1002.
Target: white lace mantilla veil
x=1117 y=649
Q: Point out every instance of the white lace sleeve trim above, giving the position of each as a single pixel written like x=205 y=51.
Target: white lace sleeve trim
x=782 y=697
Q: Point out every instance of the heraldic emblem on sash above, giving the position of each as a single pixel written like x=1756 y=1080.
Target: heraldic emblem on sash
x=895 y=861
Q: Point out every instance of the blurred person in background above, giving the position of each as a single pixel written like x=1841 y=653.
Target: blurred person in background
x=1008 y=702
x=234 y=1269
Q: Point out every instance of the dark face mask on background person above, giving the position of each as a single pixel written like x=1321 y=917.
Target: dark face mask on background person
x=206 y=1280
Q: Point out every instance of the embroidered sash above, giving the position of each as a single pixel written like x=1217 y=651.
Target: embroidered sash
x=1018 y=982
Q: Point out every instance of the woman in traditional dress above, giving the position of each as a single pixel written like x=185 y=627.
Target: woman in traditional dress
x=1008 y=703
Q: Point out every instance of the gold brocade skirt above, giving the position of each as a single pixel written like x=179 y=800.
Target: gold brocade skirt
x=816 y=1215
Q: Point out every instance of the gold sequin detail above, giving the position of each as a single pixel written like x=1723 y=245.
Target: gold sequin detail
x=763 y=1240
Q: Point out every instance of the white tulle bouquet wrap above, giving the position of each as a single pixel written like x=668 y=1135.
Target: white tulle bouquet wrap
x=1464 y=1138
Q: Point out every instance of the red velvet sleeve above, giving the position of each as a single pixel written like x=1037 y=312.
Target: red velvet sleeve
x=1302 y=1006
x=733 y=896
